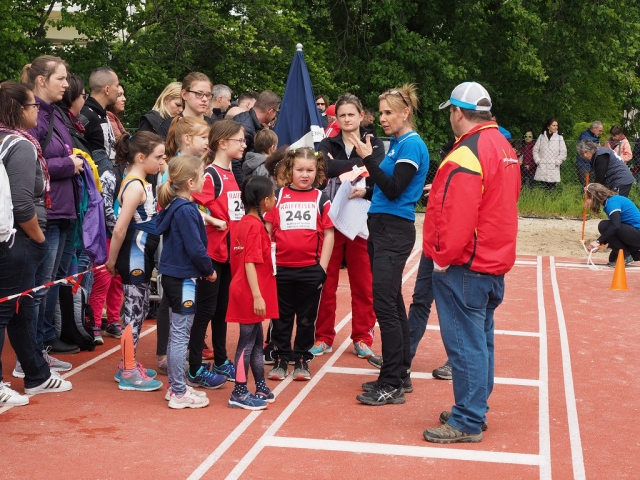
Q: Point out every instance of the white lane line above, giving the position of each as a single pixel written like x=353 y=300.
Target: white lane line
x=92 y=361
x=524 y=382
x=543 y=392
x=251 y=455
x=525 y=263
x=499 y=332
x=569 y=392
x=628 y=268
x=404 y=450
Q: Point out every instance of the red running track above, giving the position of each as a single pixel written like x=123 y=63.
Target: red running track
x=564 y=404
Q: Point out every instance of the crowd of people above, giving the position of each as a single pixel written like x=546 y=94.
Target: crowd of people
x=236 y=230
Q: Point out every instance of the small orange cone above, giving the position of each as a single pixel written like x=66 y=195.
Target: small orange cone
x=619 y=281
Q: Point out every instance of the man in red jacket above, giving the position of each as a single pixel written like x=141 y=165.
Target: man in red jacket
x=470 y=234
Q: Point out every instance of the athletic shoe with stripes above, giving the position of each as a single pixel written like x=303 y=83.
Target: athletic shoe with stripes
x=11 y=398
x=113 y=330
x=137 y=380
x=320 y=348
x=97 y=336
x=361 y=349
x=266 y=395
x=54 y=384
x=443 y=372
x=301 y=370
x=247 y=401
x=55 y=364
x=205 y=379
x=227 y=369
x=382 y=394
x=148 y=372
x=187 y=400
x=197 y=393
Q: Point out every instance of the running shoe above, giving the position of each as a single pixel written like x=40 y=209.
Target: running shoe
x=375 y=360
x=320 y=348
x=227 y=369
x=137 y=380
x=443 y=372
x=266 y=394
x=407 y=386
x=382 y=394
x=247 y=401
x=55 y=364
x=54 y=384
x=205 y=379
x=301 y=370
x=113 y=330
x=447 y=434
x=361 y=349
x=207 y=354
x=187 y=400
x=11 y=398
x=147 y=372
x=162 y=366
x=198 y=393
x=97 y=336
x=627 y=261
x=444 y=418
x=279 y=370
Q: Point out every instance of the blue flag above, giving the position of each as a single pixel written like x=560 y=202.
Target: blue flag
x=299 y=121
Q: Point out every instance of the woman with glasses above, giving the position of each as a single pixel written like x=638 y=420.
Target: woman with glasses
x=622 y=229
x=196 y=93
x=548 y=154
x=115 y=113
x=398 y=185
x=528 y=166
x=21 y=253
x=47 y=78
x=322 y=103
x=168 y=105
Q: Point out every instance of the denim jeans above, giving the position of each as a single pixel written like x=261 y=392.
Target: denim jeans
x=17 y=274
x=61 y=268
x=421 y=306
x=390 y=242
x=56 y=238
x=466 y=301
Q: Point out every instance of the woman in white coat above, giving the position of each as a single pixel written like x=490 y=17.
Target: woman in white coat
x=548 y=153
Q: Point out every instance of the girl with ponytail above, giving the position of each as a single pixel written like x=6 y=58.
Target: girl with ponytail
x=252 y=293
x=184 y=258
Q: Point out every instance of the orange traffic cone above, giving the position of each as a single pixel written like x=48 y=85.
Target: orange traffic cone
x=619 y=281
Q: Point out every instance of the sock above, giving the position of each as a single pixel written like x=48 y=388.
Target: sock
x=128 y=352
x=261 y=386
x=240 y=389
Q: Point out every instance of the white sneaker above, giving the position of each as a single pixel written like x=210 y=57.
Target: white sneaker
x=188 y=400
x=55 y=364
x=197 y=393
x=11 y=398
x=54 y=384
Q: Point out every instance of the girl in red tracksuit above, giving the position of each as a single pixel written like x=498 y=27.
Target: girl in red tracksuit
x=221 y=196
x=303 y=234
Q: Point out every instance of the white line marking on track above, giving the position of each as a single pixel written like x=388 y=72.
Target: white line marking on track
x=92 y=362
x=569 y=392
x=628 y=268
x=543 y=392
x=499 y=332
x=403 y=450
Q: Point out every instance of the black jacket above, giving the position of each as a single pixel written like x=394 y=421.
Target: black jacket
x=97 y=137
x=251 y=125
x=150 y=122
x=163 y=129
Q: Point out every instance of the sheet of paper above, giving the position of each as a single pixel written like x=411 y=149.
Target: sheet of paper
x=349 y=216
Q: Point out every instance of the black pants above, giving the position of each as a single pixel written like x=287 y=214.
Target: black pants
x=299 y=291
x=212 y=300
x=391 y=240
x=627 y=239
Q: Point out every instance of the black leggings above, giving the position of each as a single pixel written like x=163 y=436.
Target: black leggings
x=250 y=348
x=627 y=239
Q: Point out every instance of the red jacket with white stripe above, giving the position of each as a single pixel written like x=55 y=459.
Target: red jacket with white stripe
x=472 y=215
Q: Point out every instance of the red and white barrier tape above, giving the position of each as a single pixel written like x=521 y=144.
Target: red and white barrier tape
x=74 y=280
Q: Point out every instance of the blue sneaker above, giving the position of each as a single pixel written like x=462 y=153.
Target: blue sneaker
x=266 y=395
x=147 y=371
x=137 y=380
x=227 y=369
x=205 y=379
x=320 y=348
x=362 y=349
x=248 y=401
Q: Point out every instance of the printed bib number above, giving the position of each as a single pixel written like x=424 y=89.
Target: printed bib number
x=298 y=216
x=236 y=209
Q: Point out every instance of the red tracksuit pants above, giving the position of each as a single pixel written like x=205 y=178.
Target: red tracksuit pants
x=360 y=281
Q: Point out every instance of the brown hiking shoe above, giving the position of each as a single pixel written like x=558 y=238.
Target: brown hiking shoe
x=447 y=434
x=444 y=418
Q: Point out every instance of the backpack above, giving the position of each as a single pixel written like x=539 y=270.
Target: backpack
x=7 y=229
x=76 y=318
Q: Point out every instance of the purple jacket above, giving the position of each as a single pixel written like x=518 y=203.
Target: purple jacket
x=61 y=168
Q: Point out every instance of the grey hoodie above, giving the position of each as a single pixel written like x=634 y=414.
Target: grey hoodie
x=254 y=165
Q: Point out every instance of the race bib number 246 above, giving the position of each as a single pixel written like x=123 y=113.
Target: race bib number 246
x=298 y=216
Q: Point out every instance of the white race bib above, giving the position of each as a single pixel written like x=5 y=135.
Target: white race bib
x=298 y=216
x=234 y=204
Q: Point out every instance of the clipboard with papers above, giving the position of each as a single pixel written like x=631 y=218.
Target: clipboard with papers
x=349 y=216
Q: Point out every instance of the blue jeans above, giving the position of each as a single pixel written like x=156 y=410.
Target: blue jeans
x=421 y=306
x=61 y=269
x=55 y=234
x=17 y=274
x=466 y=301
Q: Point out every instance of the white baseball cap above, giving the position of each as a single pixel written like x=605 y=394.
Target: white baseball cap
x=467 y=95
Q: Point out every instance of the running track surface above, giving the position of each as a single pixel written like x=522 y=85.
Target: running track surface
x=564 y=405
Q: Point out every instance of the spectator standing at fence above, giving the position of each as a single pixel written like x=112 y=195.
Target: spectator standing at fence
x=609 y=168
x=470 y=234
x=528 y=166
x=619 y=144
x=583 y=165
x=548 y=154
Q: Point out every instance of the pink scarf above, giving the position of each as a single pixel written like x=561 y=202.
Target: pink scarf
x=43 y=162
